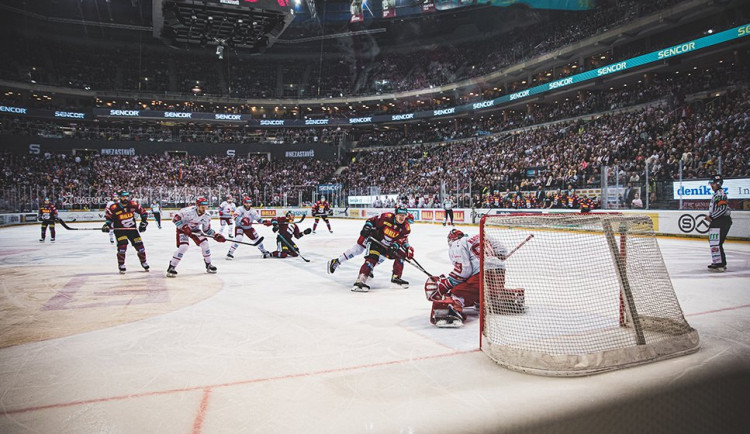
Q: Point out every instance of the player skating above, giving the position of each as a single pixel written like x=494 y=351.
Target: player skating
x=451 y=294
x=320 y=210
x=359 y=247
x=194 y=223
x=720 y=220
x=244 y=217
x=390 y=235
x=287 y=232
x=47 y=215
x=226 y=214
x=120 y=217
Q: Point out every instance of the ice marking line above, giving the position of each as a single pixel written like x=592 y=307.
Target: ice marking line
x=200 y=417
x=234 y=383
x=718 y=310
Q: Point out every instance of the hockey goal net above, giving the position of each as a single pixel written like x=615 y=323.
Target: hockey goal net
x=577 y=294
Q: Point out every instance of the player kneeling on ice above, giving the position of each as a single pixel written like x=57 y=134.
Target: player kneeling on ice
x=451 y=294
x=244 y=217
x=287 y=231
x=194 y=223
x=389 y=236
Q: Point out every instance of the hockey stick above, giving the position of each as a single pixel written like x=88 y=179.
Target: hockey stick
x=292 y=247
x=65 y=225
x=235 y=241
x=413 y=264
x=518 y=247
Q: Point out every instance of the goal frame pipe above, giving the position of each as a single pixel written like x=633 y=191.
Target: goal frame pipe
x=624 y=282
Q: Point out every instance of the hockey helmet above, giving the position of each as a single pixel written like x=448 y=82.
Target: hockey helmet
x=201 y=201
x=289 y=215
x=716 y=179
x=247 y=201
x=46 y=200
x=123 y=195
x=230 y=198
x=454 y=235
x=400 y=209
x=322 y=198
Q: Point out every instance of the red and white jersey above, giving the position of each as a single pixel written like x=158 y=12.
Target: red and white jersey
x=189 y=216
x=464 y=254
x=226 y=209
x=248 y=213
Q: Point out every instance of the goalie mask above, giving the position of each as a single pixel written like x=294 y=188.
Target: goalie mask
x=454 y=235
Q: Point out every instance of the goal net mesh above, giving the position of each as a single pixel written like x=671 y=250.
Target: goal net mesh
x=596 y=294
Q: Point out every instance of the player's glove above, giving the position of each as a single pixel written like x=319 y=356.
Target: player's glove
x=142 y=226
x=307 y=231
x=245 y=221
x=366 y=230
x=275 y=228
x=106 y=227
x=219 y=237
x=436 y=287
x=393 y=250
x=409 y=253
x=267 y=222
x=186 y=230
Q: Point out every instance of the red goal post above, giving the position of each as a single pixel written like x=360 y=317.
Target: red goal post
x=571 y=294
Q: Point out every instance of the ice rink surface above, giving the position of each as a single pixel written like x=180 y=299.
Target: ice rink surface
x=279 y=345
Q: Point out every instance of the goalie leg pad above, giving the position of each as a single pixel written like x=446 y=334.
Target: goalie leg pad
x=447 y=313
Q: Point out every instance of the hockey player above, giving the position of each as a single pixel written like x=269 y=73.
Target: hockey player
x=451 y=294
x=226 y=214
x=156 y=212
x=720 y=220
x=47 y=215
x=287 y=231
x=321 y=209
x=244 y=216
x=194 y=223
x=121 y=215
x=358 y=248
x=391 y=231
x=106 y=207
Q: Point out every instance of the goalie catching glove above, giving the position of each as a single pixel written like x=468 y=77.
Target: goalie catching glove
x=437 y=287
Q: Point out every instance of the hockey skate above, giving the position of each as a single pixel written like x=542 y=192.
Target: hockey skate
x=333 y=264
x=121 y=268
x=266 y=254
x=314 y=232
x=52 y=240
x=145 y=266
x=41 y=240
x=229 y=257
x=717 y=268
x=448 y=318
x=210 y=268
x=171 y=272
x=399 y=281
x=360 y=285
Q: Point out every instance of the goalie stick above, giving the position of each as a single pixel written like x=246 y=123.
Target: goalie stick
x=65 y=225
x=518 y=247
x=412 y=261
